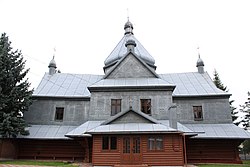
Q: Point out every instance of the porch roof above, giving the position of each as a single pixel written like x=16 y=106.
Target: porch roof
x=132 y=128
x=82 y=129
x=48 y=131
x=218 y=131
x=98 y=127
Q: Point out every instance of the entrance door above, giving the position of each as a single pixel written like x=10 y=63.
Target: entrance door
x=131 y=150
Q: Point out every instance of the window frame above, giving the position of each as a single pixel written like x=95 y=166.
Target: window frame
x=146 y=105
x=116 y=106
x=198 y=113
x=59 y=114
x=109 y=143
x=153 y=143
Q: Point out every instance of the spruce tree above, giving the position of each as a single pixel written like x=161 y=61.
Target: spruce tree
x=245 y=112
x=218 y=82
x=15 y=95
x=220 y=85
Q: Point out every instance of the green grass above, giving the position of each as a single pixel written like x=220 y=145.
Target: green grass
x=246 y=163
x=39 y=163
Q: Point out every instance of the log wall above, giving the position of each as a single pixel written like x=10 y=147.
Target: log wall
x=71 y=150
x=171 y=155
x=212 y=151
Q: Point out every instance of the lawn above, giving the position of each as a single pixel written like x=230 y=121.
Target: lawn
x=39 y=163
x=246 y=163
x=68 y=164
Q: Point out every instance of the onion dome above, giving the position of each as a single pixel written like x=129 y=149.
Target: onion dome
x=52 y=63
x=199 y=62
x=52 y=66
x=200 y=65
x=128 y=27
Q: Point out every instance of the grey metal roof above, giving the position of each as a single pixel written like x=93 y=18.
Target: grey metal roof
x=217 y=131
x=120 y=50
x=180 y=127
x=82 y=129
x=91 y=127
x=128 y=128
x=192 y=84
x=76 y=85
x=121 y=82
x=48 y=131
x=66 y=85
x=139 y=113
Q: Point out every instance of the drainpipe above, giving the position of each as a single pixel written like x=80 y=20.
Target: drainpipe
x=184 y=149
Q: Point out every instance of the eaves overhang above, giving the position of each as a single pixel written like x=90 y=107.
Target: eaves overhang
x=73 y=98
x=130 y=88
x=197 y=96
x=136 y=132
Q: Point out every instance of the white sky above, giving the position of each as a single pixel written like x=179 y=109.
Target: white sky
x=85 y=32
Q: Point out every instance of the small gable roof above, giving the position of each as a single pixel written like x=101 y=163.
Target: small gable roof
x=151 y=126
x=139 y=113
x=138 y=58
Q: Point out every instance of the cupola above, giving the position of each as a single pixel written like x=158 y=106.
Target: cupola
x=200 y=65
x=128 y=27
x=52 y=66
x=130 y=44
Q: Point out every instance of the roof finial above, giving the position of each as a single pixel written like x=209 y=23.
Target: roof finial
x=54 y=54
x=198 y=48
x=127 y=14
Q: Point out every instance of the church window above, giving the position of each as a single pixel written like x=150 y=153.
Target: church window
x=146 y=106
x=59 y=113
x=115 y=106
x=109 y=143
x=198 y=115
x=155 y=143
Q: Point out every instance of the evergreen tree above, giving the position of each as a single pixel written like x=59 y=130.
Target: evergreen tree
x=245 y=114
x=15 y=96
x=218 y=82
x=221 y=86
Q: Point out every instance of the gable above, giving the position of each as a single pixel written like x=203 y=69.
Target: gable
x=130 y=117
x=131 y=67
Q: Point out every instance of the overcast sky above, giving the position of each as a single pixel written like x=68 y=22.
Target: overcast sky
x=85 y=32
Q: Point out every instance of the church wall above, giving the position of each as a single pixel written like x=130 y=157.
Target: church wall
x=214 y=110
x=43 y=112
x=100 y=105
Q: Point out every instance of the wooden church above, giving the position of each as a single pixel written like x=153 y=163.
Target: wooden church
x=130 y=115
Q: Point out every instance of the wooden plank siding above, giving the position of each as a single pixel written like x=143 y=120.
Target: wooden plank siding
x=212 y=151
x=171 y=155
x=100 y=157
x=72 y=150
